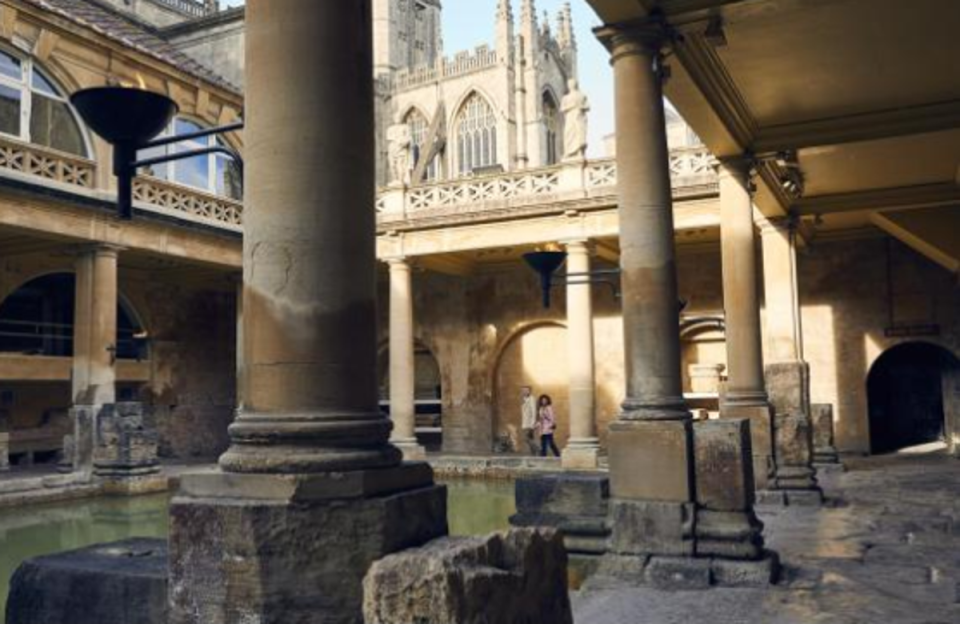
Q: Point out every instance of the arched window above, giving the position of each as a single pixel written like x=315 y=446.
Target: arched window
x=554 y=130
x=32 y=109
x=214 y=173
x=419 y=128
x=37 y=319
x=476 y=128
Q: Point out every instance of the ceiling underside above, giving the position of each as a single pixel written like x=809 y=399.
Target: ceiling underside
x=864 y=92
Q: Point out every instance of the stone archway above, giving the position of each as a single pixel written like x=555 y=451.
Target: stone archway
x=537 y=357
x=905 y=393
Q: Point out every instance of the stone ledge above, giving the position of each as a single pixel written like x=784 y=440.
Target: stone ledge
x=306 y=488
x=683 y=573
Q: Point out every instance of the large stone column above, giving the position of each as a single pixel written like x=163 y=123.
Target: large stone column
x=746 y=395
x=311 y=489
x=583 y=448
x=787 y=374
x=402 y=363
x=651 y=463
x=94 y=349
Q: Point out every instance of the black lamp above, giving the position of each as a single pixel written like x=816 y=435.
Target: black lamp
x=130 y=120
x=545 y=263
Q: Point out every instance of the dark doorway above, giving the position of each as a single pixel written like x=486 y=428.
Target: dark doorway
x=905 y=394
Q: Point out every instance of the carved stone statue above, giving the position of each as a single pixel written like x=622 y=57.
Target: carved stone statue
x=399 y=143
x=575 y=107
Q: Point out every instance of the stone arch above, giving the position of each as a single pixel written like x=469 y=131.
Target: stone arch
x=703 y=354
x=535 y=355
x=912 y=395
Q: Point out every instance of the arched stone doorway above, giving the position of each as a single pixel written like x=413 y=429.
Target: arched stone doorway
x=428 y=393
x=535 y=357
x=905 y=392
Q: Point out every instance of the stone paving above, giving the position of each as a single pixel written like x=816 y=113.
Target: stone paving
x=885 y=549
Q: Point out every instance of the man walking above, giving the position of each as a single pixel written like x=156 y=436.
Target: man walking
x=528 y=420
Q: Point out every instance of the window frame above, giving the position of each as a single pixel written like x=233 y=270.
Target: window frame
x=28 y=66
x=477 y=148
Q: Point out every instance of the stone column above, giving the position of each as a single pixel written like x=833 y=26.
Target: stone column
x=402 y=364
x=787 y=374
x=310 y=468
x=651 y=464
x=746 y=395
x=94 y=349
x=583 y=447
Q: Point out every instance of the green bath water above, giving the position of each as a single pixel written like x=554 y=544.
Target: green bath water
x=475 y=508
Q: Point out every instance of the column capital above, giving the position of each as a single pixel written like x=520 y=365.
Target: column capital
x=397 y=263
x=99 y=249
x=645 y=37
x=578 y=245
x=741 y=168
x=776 y=225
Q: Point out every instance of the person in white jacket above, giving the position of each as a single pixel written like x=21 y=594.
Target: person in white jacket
x=528 y=421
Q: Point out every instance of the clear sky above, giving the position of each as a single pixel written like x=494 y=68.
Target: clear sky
x=468 y=23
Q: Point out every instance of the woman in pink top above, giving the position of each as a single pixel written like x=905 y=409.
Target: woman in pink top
x=547 y=423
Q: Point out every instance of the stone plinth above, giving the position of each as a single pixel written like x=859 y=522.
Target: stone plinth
x=651 y=460
x=705 y=378
x=796 y=476
x=576 y=504
x=125 y=582
x=509 y=578
x=824 y=450
x=84 y=418
x=761 y=438
x=292 y=548
x=125 y=443
x=788 y=387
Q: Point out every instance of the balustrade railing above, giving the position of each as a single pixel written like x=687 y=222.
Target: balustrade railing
x=188 y=203
x=47 y=164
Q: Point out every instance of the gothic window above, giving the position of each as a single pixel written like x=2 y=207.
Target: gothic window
x=32 y=109
x=554 y=130
x=476 y=129
x=419 y=128
x=214 y=173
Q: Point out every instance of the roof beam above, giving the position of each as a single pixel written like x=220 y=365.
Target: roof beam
x=923 y=196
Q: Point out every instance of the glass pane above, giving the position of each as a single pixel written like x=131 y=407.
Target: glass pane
x=183 y=126
x=10 y=66
x=229 y=182
x=43 y=85
x=162 y=170
x=193 y=172
x=52 y=124
x=10 y=110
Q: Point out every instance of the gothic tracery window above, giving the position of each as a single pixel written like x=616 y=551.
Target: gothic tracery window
x=419 y=129
x=476 y=128
x=552 y=126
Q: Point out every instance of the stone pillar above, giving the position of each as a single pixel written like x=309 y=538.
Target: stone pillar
x=310 y=468
x=746 y=395
x=787 y=375
x=94 y=349
x=95 y=327
x=651 y=462
x=402 y=363
x=583 y=448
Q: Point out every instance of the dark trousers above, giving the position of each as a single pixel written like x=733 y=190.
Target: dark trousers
x=546 y=440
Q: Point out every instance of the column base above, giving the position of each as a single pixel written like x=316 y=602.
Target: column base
x=574 y=503
x=581 y=454
x=412 y=452
x=289 y=548
x=788 y=387
x=645 y=528
x=651 y=460
x=729 y=535
x=760 y=417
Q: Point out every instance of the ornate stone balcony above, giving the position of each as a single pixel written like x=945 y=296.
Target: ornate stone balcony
x=572 y=186
x=187 y=203
x=50 y=165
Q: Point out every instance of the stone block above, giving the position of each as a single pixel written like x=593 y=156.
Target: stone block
x=729 y=534
x=705 y=378
x=761 y=437
x=4 y=451
x=732 y=573
x=125 y=443
x=652 y=528
x=580 y=457
x=824 y=449
x=677 y=573
x=122 y=582
x=794 y=448
x=575 y=503
x=277 y=561
x=724 y=465
x=509 y=578
x=84 y=419
x=788 y=386
x=651 y=460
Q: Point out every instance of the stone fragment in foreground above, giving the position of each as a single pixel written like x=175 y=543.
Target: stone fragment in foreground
x=514 y=577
